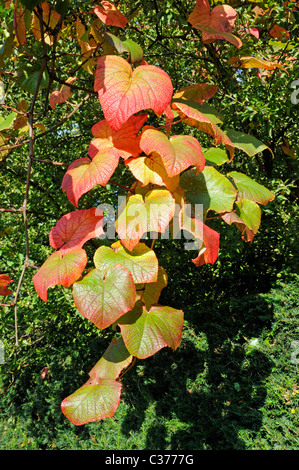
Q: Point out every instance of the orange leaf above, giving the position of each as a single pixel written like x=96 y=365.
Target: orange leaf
x=217 y=24
x=62 y=95
x=123 y=92
x=278 y=32
x=198 y=93
x=110 y=15
x=76 y=228
x=124 y=141
x=19 y=24
x=84 y=174
x=50 y=19
x=59 y=268
x=4 y=280
x=253 y=63
x=177 y=153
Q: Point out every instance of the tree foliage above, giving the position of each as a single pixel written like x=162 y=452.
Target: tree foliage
x=154 y=112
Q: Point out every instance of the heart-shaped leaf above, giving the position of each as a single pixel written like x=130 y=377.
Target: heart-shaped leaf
x=95 y=400
x=59 y=268
x=76 y=228
x=141 y=261
x=104 y=296
x=84 y=174
x=152 y=170
x=146 y=332
x=124 y=141
x=177 y=152
x=123 y=92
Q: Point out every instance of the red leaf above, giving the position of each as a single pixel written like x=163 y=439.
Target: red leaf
x=123 y=92
x=217 y=24
x=124 y=141
x=84 y=174
x=62 y=95
x=177 y=153
x=4 y=280
x=110 y=15
x=74 y=229
x=59 y=269
x=208 y=253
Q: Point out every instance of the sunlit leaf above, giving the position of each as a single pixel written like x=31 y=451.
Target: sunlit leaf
x=123 y=92
x=74 y=229
x=114 y=360
x=250 y=189
x=59 y=269
x=253 y=62
x=104 y=296
x=146 y=332
x=141 y=261
x=95 y=400
x=177 y=152
x=110 y=15
x=4 y=281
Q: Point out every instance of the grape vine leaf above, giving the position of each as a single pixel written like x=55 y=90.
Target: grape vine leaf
x=114 y=360
x=141 y=261
x=59 y=268
x=123 y=92
x=125 y=141
x=146 y=332
x=104 y=296
x=84 y=174
x=95 y=400
x=76 y=228
x=178 y=152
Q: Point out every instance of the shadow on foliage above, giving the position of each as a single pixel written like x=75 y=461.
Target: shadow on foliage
x=208 y=390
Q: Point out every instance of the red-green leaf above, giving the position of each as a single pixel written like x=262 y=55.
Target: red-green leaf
x=123 y=92
x=4 y=281
x=141 y=261
x=76 y=228
x=84 y=174
x=195 y=115
x=114 y=360
x=110 y=15
x=95 y=400
x=124 y=141
x=146 y=332
x=177 y=152
x=233 y=218
x=59 y=268
x=104 y=296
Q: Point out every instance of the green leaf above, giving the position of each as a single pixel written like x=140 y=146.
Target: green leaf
x=146 y=332
x=28 y=78
x=250 y=189
x=210 y=188
x=31 y=4
x=95 y=400
x=248 y=143
x=250 y=213
x=215 y=156
x=134 y=50
x=141 y=261
x=6 y=123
